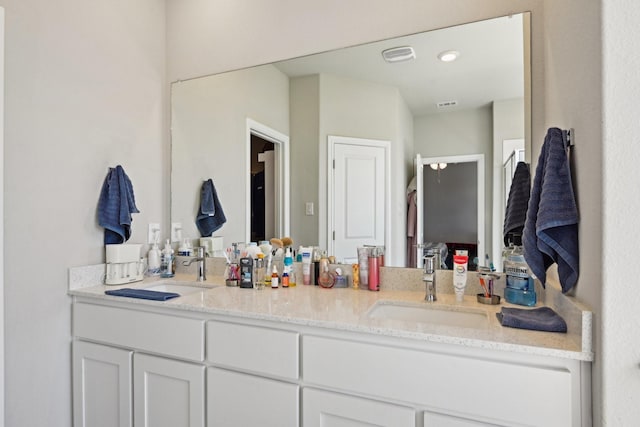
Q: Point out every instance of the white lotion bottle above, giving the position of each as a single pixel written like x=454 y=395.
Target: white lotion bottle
x=460 y=275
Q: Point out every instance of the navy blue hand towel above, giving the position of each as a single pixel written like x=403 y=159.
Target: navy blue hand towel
x=537 y=319
x=518 y=201
x=551 y=228
x=210 y=214
x=142 y=294
x=115 y=206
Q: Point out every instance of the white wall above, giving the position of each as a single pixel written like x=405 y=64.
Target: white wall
x=620 y=326
x=403 y=162
x=573 y=99
x=208 y=128
x=508 y=123
x=85 y=90
x=305 y=128
x=359 y=109
x=200 y=31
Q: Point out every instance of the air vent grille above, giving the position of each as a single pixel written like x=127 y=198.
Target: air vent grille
x=446 y=104
x=399 y=54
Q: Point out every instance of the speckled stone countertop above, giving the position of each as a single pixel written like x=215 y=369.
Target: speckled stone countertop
x=346 y=309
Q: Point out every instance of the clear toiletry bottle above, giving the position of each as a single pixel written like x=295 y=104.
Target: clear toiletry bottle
x=167 y=261
x=258 y=272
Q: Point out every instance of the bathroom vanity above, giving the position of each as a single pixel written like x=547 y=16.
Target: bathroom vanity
x=306 y=356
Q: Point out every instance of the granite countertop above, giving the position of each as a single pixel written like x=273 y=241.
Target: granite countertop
x=346 y=309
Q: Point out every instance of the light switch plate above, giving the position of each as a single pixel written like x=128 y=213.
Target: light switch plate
x=176 y=231
x=154 y=233
x=308 y=208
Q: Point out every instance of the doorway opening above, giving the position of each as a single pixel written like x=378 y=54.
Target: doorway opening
x=262 y=189
x=440 y=216
x=270 y=148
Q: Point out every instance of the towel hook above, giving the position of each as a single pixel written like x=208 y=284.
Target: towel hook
x=569 y=137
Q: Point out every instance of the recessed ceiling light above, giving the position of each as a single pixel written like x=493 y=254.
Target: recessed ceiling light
x=448 y=55
x=399 y=54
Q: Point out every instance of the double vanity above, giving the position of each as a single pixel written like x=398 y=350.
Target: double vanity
x=307 y=356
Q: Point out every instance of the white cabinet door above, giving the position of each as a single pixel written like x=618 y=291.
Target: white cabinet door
x=327 y=409
x=101 y=386
x=235 y=399
x=167 y=393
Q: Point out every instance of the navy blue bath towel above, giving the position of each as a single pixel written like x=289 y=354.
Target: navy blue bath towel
x=210 y=214
x=115 y=206
x=537 y=319
x=518 y=201
x=551 y=228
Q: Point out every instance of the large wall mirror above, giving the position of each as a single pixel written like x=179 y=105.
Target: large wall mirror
x=422 y=105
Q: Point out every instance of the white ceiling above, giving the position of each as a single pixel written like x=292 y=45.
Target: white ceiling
x=490 y=66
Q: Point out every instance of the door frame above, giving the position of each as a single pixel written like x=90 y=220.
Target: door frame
x=421 y=162
x=282 y=205
x=2 y=302
x=332 y=141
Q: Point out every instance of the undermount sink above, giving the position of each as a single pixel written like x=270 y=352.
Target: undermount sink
x=430 y=314
x=182 y=288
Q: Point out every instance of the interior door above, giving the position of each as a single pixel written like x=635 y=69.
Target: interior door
x=359 y=191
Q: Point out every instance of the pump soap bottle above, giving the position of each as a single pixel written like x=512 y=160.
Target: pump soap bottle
x=167 y=261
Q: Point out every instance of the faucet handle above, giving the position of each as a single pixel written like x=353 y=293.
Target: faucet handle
x=429 y=264
x=199 y=251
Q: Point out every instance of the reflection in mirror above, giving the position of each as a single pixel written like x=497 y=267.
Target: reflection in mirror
x=262 y=189
x=354 y=93
x=268 y=183
x=450 y=206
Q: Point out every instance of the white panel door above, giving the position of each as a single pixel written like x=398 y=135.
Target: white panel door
x=167 y=393
x=358 y=208
x=101 y=386
x=327 y=409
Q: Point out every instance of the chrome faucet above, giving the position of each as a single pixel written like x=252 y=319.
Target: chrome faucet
x=200 y=258
x=431 y=263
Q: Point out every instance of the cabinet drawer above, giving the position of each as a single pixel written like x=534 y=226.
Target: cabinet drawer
x=255 y=349
x=173 y=336
x=475 y=388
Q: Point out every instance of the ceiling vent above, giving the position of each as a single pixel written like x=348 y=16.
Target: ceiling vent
x=446 y=104
x=399 y=54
